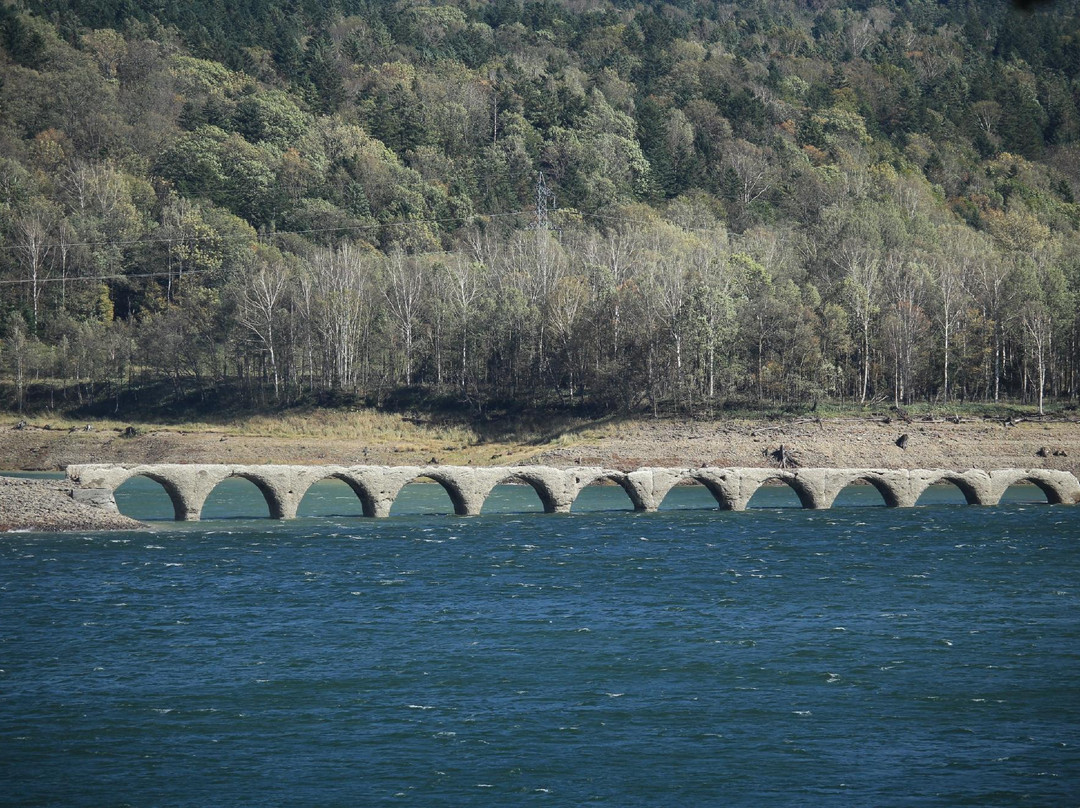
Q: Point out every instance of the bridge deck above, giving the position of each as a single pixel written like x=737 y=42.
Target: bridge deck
x=188 y=485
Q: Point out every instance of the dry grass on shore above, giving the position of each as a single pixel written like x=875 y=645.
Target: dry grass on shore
x=317 y=423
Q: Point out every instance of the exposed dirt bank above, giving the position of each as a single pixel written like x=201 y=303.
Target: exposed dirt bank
x=854 y=442
x=847 y=443
x=46 y=505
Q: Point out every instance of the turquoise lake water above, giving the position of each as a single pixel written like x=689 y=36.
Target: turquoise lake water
x=859 y=656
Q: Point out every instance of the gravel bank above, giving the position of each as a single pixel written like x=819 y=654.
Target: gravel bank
x=46 y=505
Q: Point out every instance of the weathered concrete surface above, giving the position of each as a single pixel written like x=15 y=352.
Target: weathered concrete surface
x=188 y=485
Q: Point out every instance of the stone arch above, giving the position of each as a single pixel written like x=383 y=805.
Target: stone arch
x=1055 y=487
x=973 y=494
x=724 y=501
x=276 y=504
x=448 y=483
x=548 y=499
x=358 y=486
x=584 y=479
x=181 y=510
x=806 y=495
x=890 y=496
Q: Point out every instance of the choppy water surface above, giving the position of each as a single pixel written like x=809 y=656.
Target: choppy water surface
x=856 y=656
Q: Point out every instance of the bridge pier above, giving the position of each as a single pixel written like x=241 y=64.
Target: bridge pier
x=283 y=487
x=466 y=486
x=382 y=484
x=653 y=484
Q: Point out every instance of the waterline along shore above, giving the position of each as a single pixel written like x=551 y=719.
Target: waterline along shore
x=623 y=445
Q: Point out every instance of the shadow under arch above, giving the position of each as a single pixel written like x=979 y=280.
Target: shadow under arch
x=937 y=492
x=238 y=500
x=597 y=493
x=142 y=493
x=363 y=496
x=802 y=493
x=520 y=480
x=851 y=494
x=416 y=504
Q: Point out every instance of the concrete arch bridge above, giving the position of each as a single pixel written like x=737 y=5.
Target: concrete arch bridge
x=189 y=485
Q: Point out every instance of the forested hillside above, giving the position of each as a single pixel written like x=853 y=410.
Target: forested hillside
x=671 y=207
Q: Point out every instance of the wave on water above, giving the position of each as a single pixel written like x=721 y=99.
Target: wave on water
x=465 y=662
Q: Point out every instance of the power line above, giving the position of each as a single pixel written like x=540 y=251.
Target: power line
x=80 y=278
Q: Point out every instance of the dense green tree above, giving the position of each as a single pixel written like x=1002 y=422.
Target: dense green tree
x=752 y=201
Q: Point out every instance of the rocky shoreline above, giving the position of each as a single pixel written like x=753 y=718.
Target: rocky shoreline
x=47 y=506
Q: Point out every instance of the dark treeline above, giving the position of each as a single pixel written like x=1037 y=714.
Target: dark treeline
x=754 y=202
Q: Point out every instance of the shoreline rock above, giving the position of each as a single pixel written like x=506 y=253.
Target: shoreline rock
x=46 y=506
